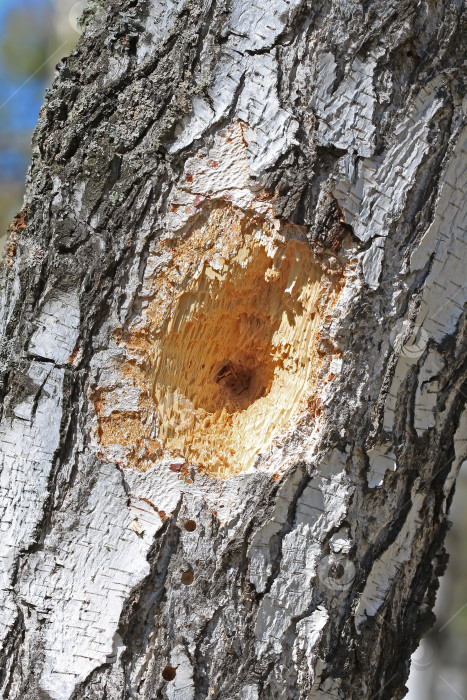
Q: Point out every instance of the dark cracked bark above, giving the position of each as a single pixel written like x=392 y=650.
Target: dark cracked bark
x=232 y=359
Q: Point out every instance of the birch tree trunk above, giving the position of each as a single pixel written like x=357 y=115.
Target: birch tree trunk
x=233 y=368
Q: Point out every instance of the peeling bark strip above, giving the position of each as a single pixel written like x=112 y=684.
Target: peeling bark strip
x=233 y=353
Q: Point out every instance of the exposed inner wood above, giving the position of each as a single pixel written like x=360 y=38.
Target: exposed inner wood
x=228 y=354
x=238 y=358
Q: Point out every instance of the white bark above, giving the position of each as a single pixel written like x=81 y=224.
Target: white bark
x=336 y=134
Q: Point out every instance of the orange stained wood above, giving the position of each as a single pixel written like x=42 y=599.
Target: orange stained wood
x=227 y=358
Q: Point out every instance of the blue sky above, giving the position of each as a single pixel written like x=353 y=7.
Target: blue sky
x=19 y=102
x=39 y=6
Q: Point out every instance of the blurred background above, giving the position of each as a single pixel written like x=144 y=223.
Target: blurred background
x=34 y=35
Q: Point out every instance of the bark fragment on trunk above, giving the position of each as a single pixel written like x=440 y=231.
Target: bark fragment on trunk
x=275 y=191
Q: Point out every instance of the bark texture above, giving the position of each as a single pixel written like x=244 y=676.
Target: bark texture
x=163 y=538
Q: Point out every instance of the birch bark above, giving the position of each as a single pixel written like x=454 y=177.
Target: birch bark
x=285 y=172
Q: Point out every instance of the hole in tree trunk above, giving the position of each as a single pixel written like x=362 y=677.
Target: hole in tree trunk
x=187 y=578
x=225 y=352
x=169 y=673
x=237 y=357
